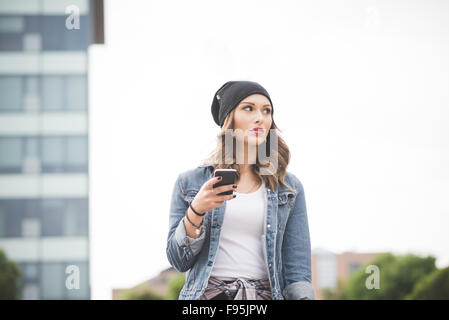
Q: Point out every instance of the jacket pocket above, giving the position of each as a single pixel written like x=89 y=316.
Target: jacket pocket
x=286 y=197
x=286 y=201
x=190 y=195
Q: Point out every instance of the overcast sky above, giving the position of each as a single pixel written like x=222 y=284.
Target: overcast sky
x=360 y=93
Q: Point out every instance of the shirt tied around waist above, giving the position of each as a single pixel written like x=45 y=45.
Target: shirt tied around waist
x=239 y=288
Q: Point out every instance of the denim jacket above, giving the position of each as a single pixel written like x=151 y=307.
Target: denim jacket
x=286 y=242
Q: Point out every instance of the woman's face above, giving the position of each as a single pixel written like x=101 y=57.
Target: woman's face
x=253 y=112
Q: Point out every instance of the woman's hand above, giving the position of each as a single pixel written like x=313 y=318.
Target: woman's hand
x=207 y=199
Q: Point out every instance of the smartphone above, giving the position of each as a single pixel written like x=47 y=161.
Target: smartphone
x=228 y=177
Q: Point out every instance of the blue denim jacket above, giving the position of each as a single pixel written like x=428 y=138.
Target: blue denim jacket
x=286 y=242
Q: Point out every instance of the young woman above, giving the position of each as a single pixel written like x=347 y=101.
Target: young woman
x=255 y=243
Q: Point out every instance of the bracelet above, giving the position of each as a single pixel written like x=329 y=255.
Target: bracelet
x=197 y=231
x=194 y=211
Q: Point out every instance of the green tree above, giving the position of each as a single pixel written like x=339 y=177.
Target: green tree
x=398 y=275
x=339 y=293
x=10 y=277
x=175 y=286
x=435 y=286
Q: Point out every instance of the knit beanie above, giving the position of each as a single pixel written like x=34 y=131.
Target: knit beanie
x=231 y=94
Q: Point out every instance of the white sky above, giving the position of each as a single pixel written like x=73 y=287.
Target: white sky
x=359 y=89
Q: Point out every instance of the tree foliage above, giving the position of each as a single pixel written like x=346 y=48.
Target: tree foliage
x=398 y=275
x=175 y=287
x=10 y=277
x=433 y=287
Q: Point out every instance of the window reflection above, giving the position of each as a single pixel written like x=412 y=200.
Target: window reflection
x=46 y=93
x=44 y=217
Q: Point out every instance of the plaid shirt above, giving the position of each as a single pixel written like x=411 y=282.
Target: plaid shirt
x=240 y=289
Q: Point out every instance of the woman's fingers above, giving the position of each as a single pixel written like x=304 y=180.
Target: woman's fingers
x=210 y=183
x=226 y=197
x=227 y=187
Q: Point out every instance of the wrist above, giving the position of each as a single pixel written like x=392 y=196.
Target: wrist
x=195 y=207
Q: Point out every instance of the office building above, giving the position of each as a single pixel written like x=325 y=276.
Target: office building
x=44 y=140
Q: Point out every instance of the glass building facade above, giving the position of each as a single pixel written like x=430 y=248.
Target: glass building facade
x=44 y=138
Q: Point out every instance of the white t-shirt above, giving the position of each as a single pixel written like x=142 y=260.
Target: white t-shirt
x=240 y=252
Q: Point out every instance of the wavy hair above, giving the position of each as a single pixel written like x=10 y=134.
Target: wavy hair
x=220 y=158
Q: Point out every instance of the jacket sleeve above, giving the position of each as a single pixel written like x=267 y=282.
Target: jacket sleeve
x=296 y=252
x=182 y=250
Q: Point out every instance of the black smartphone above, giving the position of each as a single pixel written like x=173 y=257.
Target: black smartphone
x=228 y=177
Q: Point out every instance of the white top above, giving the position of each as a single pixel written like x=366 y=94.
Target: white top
x=240 y=251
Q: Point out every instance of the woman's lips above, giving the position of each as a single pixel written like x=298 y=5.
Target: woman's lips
x=258 y=131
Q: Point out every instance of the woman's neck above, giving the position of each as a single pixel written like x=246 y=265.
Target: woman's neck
x=248 y=158
x=245 y=169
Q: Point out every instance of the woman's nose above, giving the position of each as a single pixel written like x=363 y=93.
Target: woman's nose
x=259 y=116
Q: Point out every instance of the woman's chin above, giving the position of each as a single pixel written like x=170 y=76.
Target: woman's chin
x=256 y=140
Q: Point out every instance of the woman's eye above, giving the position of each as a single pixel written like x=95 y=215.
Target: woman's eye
x=267 y=109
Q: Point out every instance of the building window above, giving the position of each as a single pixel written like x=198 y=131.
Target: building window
x=84 y=288
x=30 y=280
x=30 y=291
x=30 y=271
x=11 y=93
x=31 y=161
x=11 y=154
x=76 y=154
x=53 y=154
x=46 y=217
x=76 y=92
x=32 y=42
x=64 y=154
x=54 y=276
x=14 y=24
x=48 y=33
x=354 y=267
x=11 y=29
x=76 y=218
x=45 y=155
x=11 y=216
x=31 y=227
x=67 y=217
x=52 y=217
x=31 y=99
x=53 y=93
x=47 y=93
x=67 y=92
x=57 y=37
x=52 y=280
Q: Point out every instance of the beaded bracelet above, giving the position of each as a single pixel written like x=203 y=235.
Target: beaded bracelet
x=197 y=231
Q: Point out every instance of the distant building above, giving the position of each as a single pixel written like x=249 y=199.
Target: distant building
x=44 y=139
x=158 y=284
x=328 y=268
x=324 y=270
